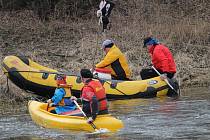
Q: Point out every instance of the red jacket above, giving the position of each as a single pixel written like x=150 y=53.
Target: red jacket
x=162 y=58
x=94 y=88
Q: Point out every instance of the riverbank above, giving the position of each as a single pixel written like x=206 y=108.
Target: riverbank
x=73 y=43
x=70 y=45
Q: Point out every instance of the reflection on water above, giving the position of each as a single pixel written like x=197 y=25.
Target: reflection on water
x=159 y=118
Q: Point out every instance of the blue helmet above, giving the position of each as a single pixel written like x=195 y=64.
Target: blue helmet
x=150 y=41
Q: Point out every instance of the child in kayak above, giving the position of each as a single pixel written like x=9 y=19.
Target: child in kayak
x=58 y=100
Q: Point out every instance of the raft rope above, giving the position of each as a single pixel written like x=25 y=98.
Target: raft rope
x=34 y=72
x=7 y=83
x=1 y=76
x=7 y=90
x=31 y=98
x=111 y=84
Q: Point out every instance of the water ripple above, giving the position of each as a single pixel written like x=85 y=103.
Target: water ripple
x=160 y=118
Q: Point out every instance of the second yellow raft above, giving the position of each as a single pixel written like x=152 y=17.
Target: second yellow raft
x=42 y=117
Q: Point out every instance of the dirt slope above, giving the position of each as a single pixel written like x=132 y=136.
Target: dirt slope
x=74 y=43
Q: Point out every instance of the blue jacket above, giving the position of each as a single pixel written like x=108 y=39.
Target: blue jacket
x=57 y=98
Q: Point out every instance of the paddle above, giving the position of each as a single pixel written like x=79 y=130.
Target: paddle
x=165 y=80
x=92 y=124
x=48 y=106
x=115 y=88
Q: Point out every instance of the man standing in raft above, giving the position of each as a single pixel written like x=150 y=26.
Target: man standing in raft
x=105 y=8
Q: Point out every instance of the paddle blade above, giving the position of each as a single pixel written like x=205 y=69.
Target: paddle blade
x=100 y=131
x=103 y=130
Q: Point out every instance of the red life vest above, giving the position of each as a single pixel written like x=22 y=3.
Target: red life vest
x=99 y=92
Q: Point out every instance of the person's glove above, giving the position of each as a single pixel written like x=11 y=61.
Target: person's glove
x=49 y=101
x=73 y=98
x=92 y=69
x=163 y=76
x=90 y=120
x=98 y=13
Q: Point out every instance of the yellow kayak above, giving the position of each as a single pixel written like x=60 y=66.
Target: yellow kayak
x=42 y=117
x=33 y=77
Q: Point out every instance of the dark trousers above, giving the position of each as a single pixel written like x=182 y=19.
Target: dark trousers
x=120 y=78
x=150 y=73
x=53 y=111
x=105 y=21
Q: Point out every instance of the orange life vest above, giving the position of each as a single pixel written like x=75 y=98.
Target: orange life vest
x=99 y=93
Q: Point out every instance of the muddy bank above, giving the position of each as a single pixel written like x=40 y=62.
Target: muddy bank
x=73 y=43
x=70 y=45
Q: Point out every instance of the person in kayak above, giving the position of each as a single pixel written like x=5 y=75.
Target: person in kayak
x=93 y=98
x=58 y=100
x=115 y=60
x=162 y=60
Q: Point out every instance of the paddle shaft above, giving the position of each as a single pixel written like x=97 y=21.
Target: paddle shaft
x=116 y=88
x=48 y=106
x=92 y=124
x=164 y=79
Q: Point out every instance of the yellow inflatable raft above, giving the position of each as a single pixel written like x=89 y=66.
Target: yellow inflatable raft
x=42 y=117
x=31 y=76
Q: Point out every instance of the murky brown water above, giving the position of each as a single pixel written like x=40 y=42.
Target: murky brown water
x=160 y=118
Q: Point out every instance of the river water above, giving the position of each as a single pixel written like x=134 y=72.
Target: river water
x=159 y=118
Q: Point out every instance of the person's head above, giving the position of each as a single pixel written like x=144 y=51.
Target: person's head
x=61 y=80
x=107 y=44
x=149 y=42
x=86 y=74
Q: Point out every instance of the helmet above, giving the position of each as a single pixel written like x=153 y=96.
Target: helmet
x=61 y=80
x=150 y=41
x=86 y=73
x=107 y=44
